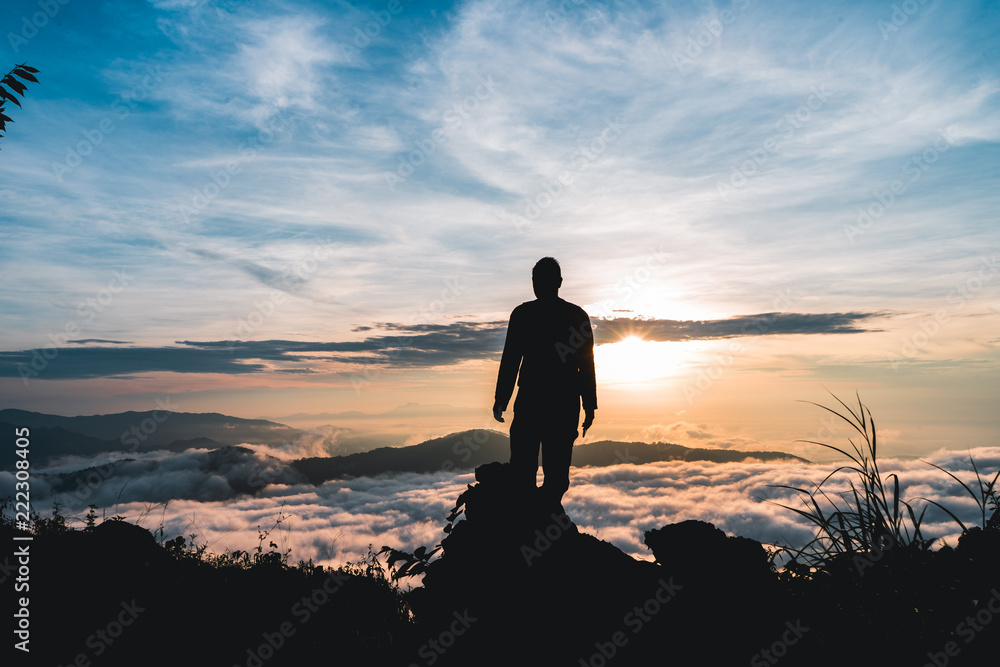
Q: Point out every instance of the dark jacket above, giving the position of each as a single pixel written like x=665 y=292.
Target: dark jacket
x=550 y=341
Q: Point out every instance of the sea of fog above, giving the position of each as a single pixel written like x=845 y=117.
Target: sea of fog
x=335 y=522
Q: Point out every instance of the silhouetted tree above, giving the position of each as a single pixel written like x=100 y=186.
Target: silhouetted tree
x=11 y=87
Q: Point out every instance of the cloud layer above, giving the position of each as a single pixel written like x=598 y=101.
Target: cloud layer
x=410 y=346
x=336 y=521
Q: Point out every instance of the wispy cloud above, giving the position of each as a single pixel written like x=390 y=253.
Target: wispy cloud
x=408 y=346
x=610 y=330
x=747 y=138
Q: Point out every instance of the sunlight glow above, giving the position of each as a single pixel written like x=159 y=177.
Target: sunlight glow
x=634 y=361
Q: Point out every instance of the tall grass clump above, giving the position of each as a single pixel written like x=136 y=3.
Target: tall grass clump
x=863 y=522
x=985 y=497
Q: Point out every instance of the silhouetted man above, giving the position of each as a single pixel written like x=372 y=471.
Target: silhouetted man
x=550 y=344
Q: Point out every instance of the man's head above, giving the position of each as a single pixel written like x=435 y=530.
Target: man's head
x=546 y=278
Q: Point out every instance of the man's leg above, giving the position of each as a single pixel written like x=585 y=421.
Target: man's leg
x=525 y=438
x=557 y=451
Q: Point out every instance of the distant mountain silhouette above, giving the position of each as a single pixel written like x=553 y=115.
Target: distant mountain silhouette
x=458 y=451
x=135 y=432
x=155 y=429
x=49 y=443
x=229 y=471
x=176 y=431
x=469 y=449
x=611 y=452
x=110 y=448
x=196 y=443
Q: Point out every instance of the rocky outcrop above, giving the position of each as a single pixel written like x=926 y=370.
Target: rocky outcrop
x=543 y=592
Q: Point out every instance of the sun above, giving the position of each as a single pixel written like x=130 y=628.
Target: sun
x=634 y=361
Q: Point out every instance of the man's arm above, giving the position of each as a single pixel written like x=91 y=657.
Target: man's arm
x=510 y=362
x=588 y=375
x=588 y=421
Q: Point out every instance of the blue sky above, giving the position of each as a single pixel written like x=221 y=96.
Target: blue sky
x=189 y=173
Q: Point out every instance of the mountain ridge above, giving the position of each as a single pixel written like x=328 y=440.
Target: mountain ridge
x=466 y=450
x=159 y=427
x=214 y=450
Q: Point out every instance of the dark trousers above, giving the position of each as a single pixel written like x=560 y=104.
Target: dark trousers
x=551 y=426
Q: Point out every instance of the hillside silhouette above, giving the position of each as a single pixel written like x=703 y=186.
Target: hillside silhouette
x=142 y=431
x=245 y=471
x=163 y=430
x=468 y=450
x=212 y=447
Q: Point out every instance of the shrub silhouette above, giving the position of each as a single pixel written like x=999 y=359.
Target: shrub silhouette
x=870 y=573
x=198 y=607
x=869 y=519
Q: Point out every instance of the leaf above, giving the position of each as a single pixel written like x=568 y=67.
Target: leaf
x=14 y=84
x=27 y=69
x=408 y=569
x=7 y=95
x=395 y=555
x=948 y=512
x=24 y=75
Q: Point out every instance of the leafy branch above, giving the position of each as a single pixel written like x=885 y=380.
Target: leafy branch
x=416 y=563
x=11 y=87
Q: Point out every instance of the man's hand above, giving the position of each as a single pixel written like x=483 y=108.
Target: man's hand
x=588 y=421
x=498 y=412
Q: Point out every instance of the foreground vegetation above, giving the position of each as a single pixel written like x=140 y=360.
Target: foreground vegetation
x=871 y=573
x=510 y=576
x=111 y=594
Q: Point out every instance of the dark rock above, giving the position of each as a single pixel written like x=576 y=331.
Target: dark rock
x=539 y=587
x=701 y=551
